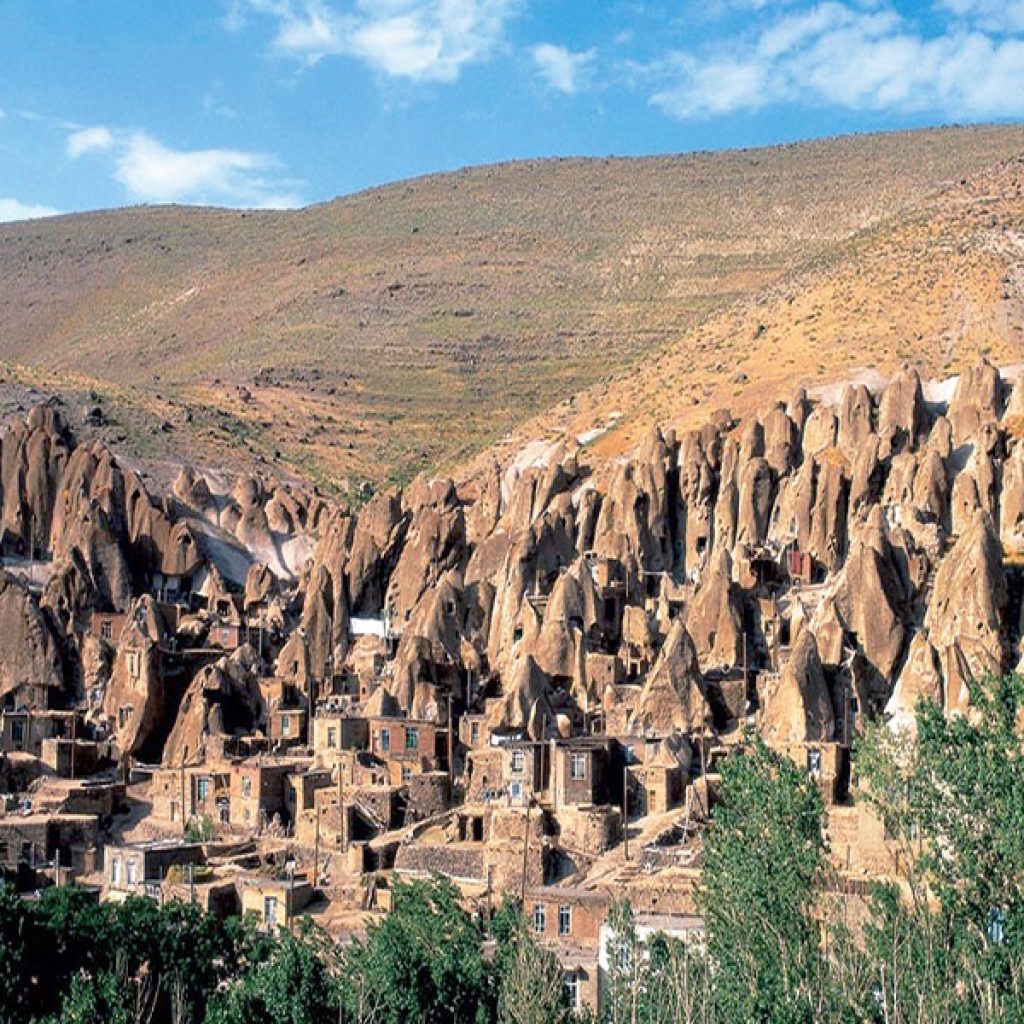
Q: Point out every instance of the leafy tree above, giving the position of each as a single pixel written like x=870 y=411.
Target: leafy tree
x=424 y=962
x=764 y=860
x=529 y=978
x=296 y=984
x=949 y=941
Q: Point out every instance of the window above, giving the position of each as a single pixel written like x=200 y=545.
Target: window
x=474 y=732
x=286 y=724
x=406 y=774
x=115 y=871
x=130 y=871
x=270 y=910
x=412 y=739
x=515 y=791
x=518 y=761
x=202 y=789
x=814 y=762
x=385 y=740
x=564 y=919
x=571 y=988
x=17 y=731
x=332 y=737
x=225 y=812
x=578 y=766
x=540 y=918
x=134 y=664
x=107 y=630
x=246 y=786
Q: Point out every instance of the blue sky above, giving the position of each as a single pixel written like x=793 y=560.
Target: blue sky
x=285 y=102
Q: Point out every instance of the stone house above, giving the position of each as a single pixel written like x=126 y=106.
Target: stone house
x=568 y=921
x=334 y=731
x=34 y=839
x=203 y=790
x=140 y=868
x=581 y=772
x=274 y=902
x=107 y=626
x=286 y=726
x=257 y=791
x=827 y=764
x=25 y=730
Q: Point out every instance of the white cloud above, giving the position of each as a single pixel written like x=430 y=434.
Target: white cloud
x=836 y=54
x=994 y=15
x=151 y=171
x=12 y=209
x=89 y=140
x=421 y=40
x=562 y=69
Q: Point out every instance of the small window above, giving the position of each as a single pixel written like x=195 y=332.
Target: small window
x=515 y=790
x=814 y=762
x=332 y=737
x=107 y=630
x=406 y=774
x=412 y=739
x=286 y=724
x=571 y=988
x=518 y=761
x=578 y=766
x=246 y=786
x=270 y=910
x=564 y=919
x=474 y=732
x=130 y=871
x=202 y=789
x=385 y=740
x=17 y=731
x=115 y=871
x=540 y=918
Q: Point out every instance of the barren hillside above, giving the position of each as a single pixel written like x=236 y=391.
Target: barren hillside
x=412 y=325
x=934 y=288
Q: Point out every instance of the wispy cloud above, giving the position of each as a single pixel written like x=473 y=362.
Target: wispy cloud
x=419 y=40
x=12 y=209
x=152 y=171
x=562 y=69
x=836 y=54
x=89 y=140
x=992 y=15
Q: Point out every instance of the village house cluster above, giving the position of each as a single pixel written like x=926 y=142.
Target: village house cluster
x=528 y=681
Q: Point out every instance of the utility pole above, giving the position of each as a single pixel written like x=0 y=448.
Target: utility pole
x=625 y=810
x=316 y=846
x=451 y=747
x=342 y=830
x=526 y=847
x=184 y=816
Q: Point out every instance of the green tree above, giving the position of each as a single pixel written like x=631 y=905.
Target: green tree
x=948 y=940
x=424 y=962
x=297 y=983
x=764 y=858
x=529 y=978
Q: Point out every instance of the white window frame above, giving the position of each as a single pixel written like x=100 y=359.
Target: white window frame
x=540 y=918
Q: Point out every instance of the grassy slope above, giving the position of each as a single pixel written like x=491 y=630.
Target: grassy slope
x=936 y=288
x=411 y=325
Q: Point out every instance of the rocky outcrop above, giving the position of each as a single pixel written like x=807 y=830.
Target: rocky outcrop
x=673 y=697
x=797 y=706
x=30 y=662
